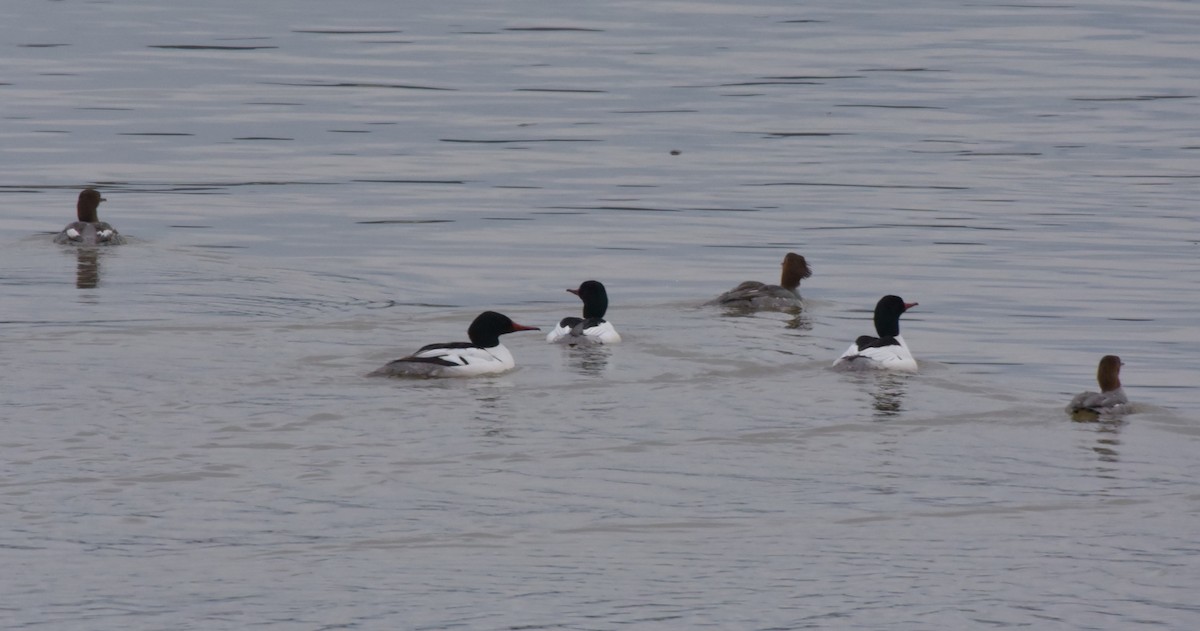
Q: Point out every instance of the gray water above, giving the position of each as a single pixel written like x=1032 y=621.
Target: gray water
x=311 y=189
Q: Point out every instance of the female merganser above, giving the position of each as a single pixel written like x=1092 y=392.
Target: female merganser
x=1111 y=399
x=483 y=355
x=755 y=295
x=89 y=230
x=887 y=351
x=592 y=328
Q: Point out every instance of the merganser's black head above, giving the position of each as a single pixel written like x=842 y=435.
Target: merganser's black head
x=887 y=315
x=488 y=326
x=594 y=297
x=89 y=201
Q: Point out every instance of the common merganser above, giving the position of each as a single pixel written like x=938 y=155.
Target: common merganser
x=592 y=328
x=483 y=355
x=1111 y=399
x=887 y=351
x=752 y=294
x=89 y=230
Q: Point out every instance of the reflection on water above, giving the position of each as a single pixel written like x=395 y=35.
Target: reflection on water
x=886 y=389
x=1107 y=429
x=590 y=360
x=792 y=317
x=493 y=409
x=513 y=147
x=888 y=394
x=87 y=268
x=800 y=322
x=87 y=264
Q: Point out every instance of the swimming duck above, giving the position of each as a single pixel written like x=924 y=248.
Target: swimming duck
x=1111 y=399
x=483 y=355
x=88 y=230
x=752 y=294
x=886 y=351
x=592 y=328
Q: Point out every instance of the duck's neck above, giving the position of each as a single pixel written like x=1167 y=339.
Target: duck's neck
x=595 y=307
x=1109 y=381
x=790 y=278
x=86 y=212
x=887 y=326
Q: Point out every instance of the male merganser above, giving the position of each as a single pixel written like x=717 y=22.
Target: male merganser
x=89 y=230
x=1111 y=399
x=592 y=328
x=755 y=295
x=483 y=355
x=887 y=351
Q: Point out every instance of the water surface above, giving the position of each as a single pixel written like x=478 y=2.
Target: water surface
x=313 y=189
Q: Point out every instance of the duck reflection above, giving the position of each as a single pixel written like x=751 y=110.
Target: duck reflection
x=590 y=360
x=799 y=321
x=87 y=267
x=494 y=410
x=1108 y=433
x=793 y=317
x=888 y=394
